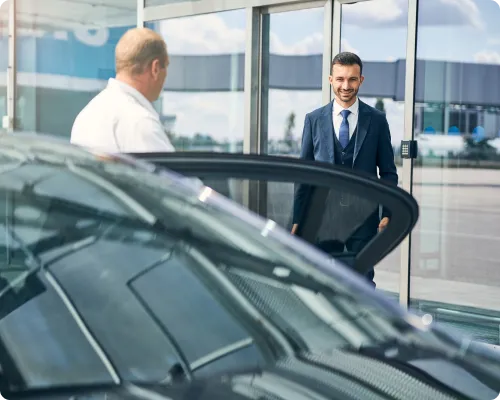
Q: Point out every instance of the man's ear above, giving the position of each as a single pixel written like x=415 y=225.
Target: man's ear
x=155 y=67
x=362 y=79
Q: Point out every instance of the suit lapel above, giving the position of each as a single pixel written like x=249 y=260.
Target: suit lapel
x=364 y=119
x=327 y=130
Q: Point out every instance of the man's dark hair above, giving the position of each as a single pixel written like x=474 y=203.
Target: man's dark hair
x=346 y=58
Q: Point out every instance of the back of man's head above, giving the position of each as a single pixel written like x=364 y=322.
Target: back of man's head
x=137 y=49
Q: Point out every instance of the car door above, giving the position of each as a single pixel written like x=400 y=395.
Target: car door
x=338 y=208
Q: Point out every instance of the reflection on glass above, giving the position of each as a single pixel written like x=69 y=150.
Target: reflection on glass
x=384 y=65
x=4 y=57
x=292 y=69
x=203 y=102
x=65 y=55
x=455 y=248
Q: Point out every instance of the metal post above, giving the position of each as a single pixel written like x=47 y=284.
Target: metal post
x=252 y=93
x=336 y=35
x=251 y=90
x=11 y=69
x=140 y=13
x=409 y=117
x=327 y=50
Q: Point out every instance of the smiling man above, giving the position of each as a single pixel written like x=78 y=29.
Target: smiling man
x=349 y=133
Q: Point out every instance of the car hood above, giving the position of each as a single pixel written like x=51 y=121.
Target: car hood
x=340 y=375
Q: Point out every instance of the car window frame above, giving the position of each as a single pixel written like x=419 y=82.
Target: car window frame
x=258 y=167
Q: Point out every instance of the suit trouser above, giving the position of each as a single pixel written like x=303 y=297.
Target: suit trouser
x=354 y=244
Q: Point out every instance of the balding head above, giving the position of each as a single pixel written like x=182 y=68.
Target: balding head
x=142 y=60
x=137 y=49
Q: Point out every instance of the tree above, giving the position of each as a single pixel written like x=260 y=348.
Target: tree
x=379 y=105
x=289 y=127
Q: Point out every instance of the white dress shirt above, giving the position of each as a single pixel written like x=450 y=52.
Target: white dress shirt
x=352 y=118
x=120 y=120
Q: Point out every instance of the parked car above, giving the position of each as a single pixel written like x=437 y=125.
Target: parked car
x=122 y=279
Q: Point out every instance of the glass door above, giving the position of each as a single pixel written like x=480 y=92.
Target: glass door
x=379 y=38
x=455 y=252
x=292 y=78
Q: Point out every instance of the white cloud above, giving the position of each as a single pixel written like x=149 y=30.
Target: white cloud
x=380 y=13
x=312 y=44
x=375 y=11
x=487 y=57
x=202 y=34
x=345 y=45
x=463 y=10
x=493 y=41
x=216 y=114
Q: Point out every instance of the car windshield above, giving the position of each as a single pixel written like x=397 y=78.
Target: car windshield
x=112 y=273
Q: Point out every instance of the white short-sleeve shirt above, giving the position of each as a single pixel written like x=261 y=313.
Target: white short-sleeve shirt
x=120 y=120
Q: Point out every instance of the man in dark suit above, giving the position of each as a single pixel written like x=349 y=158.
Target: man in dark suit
x=349 y=133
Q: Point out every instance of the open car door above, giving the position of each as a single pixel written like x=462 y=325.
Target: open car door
x=335 y=209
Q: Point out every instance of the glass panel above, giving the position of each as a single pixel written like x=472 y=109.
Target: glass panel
x=384 y=66
x=4 y=58
x=65 y=55
x=291 y=78
x=203 y=102
x=455 y=247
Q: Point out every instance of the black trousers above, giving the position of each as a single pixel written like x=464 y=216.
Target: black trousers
x=355 y=245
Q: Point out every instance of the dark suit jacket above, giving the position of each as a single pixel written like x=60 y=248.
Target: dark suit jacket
x=372 y=148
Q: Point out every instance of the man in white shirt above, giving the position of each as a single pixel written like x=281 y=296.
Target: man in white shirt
x=121 y=118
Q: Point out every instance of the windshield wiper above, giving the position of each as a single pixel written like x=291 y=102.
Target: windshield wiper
x=221 y=353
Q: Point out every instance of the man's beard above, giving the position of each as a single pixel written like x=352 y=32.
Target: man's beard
x=350 y=95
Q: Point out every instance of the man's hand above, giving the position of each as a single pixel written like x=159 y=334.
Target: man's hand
x=383 y=223
x=294 y=228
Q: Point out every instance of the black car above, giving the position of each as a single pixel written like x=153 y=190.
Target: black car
x=125 y=280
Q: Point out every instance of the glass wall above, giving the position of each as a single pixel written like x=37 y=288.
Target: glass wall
x=455 y=254
x=203 y=101
x=292 y=75
x=384 y=58
x=4 y=56
x=65 y=55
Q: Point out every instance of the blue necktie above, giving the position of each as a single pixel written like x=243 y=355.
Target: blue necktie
x=344 y=129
